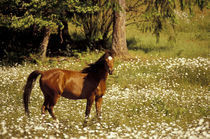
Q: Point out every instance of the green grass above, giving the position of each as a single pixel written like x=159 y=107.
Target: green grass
x=187 y=45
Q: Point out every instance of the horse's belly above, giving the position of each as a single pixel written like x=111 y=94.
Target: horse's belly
x=71 y=95
x=73 y=88
x=74 y=91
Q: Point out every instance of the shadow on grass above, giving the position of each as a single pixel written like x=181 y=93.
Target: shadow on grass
x=132 y=44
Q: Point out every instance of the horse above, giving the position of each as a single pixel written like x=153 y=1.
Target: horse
x=89 y=83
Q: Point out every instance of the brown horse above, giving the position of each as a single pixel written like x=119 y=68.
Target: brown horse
x=90 y=84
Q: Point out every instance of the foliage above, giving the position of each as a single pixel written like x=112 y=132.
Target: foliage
x=42 y=13
x=190 y=3
x=33 y=17
x=97 y=26
x=157 y=15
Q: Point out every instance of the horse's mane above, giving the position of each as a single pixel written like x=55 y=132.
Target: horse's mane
x=93 y=67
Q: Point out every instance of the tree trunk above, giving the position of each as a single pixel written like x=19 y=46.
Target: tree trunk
x=119 y=44
x=64 y=34
x=44 y=43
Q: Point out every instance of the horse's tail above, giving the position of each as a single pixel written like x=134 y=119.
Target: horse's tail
x=28 y=87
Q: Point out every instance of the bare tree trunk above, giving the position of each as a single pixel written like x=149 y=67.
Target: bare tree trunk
x=44 y=43
x=64 y=34
x=119 y=44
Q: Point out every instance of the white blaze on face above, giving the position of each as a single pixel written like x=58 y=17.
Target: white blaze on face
x=109 y=58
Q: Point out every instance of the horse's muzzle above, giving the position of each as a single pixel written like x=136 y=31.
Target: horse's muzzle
x=111 y=72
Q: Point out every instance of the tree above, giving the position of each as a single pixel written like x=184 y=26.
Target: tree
x=44 y=16
x=45 y=42
x=119 y=44
x=97 y=25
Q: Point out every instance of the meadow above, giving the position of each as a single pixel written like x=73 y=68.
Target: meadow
x=164 y=97
x=161 y=91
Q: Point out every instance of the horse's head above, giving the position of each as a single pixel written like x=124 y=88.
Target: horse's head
x=109 y=58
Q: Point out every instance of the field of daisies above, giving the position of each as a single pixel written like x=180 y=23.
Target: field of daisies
x=157 y=98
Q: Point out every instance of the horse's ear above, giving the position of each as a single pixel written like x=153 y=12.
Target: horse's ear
x=113 y=54
x=110 y=53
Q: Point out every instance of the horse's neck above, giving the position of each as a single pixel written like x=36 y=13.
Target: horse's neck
x=101 y=74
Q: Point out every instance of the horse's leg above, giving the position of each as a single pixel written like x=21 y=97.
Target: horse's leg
x=43 y=108
x=45 y=105
x=90 y=101
x=51 y=112
x=98 y=102
x=88 y=106
x=52 y=103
